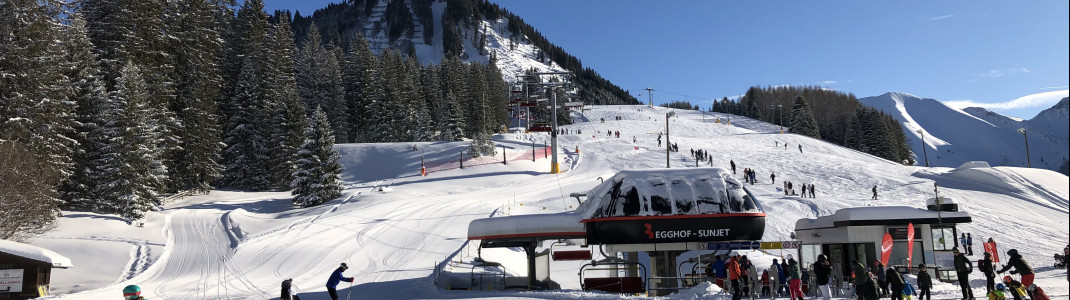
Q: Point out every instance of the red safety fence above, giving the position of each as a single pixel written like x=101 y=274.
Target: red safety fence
x=463 y=161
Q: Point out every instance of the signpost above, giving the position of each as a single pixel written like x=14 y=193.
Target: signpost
x=11 y=280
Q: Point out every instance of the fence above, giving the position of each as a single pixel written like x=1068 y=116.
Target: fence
x=504 y=157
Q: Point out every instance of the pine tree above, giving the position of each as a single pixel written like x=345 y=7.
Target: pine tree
x=802 y=120
x=35 y=111
x=131 y=159
x=317 y=177
x=288 y=111
x=319 y=82
x=196 y=162
x=246 y=136
x=354 y=67
x=90 y=97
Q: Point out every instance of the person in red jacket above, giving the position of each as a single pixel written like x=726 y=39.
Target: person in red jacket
x=733 y=276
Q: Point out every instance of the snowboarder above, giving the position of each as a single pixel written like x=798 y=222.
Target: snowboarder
x=1020 y=267
x=132 y=292
x=986 y=268
x=963 y=267
x=730 y=162
x=874 y=192
x=336 y=277
x=925 y=283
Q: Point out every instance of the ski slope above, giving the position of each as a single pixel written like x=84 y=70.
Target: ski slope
x=397 y=229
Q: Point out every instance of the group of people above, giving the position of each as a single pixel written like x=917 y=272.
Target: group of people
x=740 y=277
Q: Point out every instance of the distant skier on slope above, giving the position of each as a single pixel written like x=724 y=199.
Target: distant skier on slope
x=800 y=148
x=730 y=162
x=874 y=192
x=336 y=277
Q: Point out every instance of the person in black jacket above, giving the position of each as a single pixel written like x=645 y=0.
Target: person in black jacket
x=897 y=283
x=985 y=266
x=1020 y=267
x=822 y=270
x=925 y=284
x=963 y=267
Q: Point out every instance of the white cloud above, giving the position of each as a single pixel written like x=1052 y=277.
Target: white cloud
x=1000 y=73
x=1055 y=87
x=1034 y=100
x=940 y=17
x=829 y=82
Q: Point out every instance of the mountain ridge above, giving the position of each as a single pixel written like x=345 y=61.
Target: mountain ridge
x=955 y=136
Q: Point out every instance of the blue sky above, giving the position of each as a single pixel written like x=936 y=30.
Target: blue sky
x=986 y=53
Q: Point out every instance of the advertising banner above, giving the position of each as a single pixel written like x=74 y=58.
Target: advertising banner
x=886 y=249
x=991 y=249
x=11 y=280
x=910 y=245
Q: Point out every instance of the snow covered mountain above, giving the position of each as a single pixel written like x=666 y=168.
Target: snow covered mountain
x=476 y=30
x=954 y=136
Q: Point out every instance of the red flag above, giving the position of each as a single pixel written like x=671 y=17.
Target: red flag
x=886 y=249
x=991 y=249
x=910 y=245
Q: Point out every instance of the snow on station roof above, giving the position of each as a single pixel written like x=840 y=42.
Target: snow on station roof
x=883 y=215
x=35 y=253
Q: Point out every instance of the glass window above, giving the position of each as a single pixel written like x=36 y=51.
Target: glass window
x=683 y=197
x=899 y=254
x=943 y=238
x=659 y=193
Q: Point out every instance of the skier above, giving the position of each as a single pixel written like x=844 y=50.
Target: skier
x=132 y=292
x=882 y=278
x=963 y=267
x=1020 y=267
x=1038 y=293
x=800 y=148
x=908 y=290
x=804 y=190
x=791 y=189
x=925 y=283
x=874 y=192
x=896 y=282
x=634 y=140
x=1000 y=293
x=730 y=162
x=1017 y=289
x=812 y=191
x=336 y=277
x=822 y=270
x=288 y=290
x=733 y=277
x=772 y=178
x=795 y=279
x=969 y=244
x=986 y=268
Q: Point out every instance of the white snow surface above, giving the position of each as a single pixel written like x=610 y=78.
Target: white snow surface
x=241 y=245
x=35 y=253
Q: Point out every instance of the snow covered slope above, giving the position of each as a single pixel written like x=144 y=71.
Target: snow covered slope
x=397 y=229
x=954 y=136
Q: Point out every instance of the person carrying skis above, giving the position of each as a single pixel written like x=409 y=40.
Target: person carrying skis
x=925 y=283
x=896 y=282
x=1020 y=267
x=963 y=267
x=986 y=268
x=336 y=277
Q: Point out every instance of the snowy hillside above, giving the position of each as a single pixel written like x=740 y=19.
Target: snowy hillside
x=954 y=136
x=398 y=230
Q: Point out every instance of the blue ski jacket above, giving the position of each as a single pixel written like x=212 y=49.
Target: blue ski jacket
x=337 y=277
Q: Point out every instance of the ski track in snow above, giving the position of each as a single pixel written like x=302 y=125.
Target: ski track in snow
x=241 y=245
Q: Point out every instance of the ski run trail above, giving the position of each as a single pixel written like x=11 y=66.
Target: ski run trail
x=395 y=228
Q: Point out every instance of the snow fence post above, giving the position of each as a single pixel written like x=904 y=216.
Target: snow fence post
x=461 y=159
x=504 y=160
x=532 y=151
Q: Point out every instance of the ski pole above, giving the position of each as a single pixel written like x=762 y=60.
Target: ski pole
x=350 y=290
